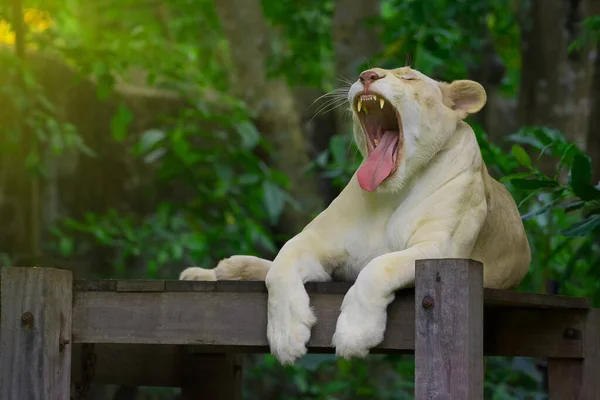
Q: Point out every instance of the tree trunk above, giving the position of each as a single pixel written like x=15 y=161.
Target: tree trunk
x=593 y=139
x=271 y=103
x=555 y=84
x=356 y=42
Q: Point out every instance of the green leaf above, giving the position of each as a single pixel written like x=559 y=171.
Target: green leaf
x=582 y=228
x=66 y=246
x=274 y=199
x=248 y=179
x=150 y=138
x=532 y=184
x=515 y=176
x=120 y=123
x=540 y=210
x=338 y=146
x=521 y=156
x=581 y=171
x=565 y=157
x=248 y=133
x=581 y=175
x=573 y=206
x=322 y=158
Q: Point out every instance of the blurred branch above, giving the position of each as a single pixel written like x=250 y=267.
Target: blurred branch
x=19 y=28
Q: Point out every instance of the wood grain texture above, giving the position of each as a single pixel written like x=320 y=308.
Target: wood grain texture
x=213 y=318
x=139 y=285
x=510 y=298
x=492 y=297
x=531 y=332
x=236 y=322
x=449 y=330
x=578 y=379
x=33 y=364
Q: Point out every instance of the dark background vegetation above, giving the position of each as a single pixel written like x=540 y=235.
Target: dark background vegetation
x=138 y=137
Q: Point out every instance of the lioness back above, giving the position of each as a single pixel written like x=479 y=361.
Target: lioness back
x=502 y=244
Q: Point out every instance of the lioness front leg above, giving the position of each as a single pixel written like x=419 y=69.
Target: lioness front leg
x=362 y=321
x=290 y=317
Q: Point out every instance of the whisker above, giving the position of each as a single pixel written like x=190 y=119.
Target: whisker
x=408 y=59
x=326 y=109
x=342 y=78
x=341 y=92
x=333 y=100
x=329 y=106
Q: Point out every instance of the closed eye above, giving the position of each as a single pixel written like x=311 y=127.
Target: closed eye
x=409 y=77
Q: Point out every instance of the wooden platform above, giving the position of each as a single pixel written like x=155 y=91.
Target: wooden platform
x=151 y=332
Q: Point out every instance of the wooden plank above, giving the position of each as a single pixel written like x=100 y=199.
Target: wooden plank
x=449 y=330
x=94 y=285
x=510 y=298
x=213 y=318
x=212 y=376
x=492 y=297
x=140 y=285
x=531 y=332
x=35 y=334
x=236 y=322
x=572 y=379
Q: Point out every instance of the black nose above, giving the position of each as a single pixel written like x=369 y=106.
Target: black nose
x=369 y=76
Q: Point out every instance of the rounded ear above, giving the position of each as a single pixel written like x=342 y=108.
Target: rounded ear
x=464 y=96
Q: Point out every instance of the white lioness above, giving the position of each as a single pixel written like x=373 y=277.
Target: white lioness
x=422 y=192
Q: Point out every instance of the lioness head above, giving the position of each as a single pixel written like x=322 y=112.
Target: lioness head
x=402 y=118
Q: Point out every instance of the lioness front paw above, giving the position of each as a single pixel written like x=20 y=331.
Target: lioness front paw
x=360 y=327
x=198 y=274
x=290 y=320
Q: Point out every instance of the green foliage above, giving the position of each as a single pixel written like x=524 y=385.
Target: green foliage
x=447 y=38
x=339 y=161
x=211 y=194
x=590 y=34
x=559 y=207
x=302 y=43
x=29 y=120
x=234 y=198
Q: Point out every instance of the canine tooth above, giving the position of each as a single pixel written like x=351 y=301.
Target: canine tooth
x=359 y=104
x=381 y=103
x=374 y=97
x=376 y=141
x=365 y=109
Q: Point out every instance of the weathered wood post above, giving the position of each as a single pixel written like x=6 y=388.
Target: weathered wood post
x=578 y=379
x=449 y=330
x=35 y=335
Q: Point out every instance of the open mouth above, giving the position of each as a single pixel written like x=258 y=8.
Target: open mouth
x=382 y=126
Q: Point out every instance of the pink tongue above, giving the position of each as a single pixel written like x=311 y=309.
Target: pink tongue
x=379 y=164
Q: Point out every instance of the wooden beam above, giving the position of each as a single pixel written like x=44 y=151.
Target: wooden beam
x=35 y=334
x=231 y=317
x=213 y=318
x=578 y=379
x=449 y=330
x=529 y=332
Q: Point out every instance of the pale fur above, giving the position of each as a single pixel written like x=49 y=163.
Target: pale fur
x=440 y=203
